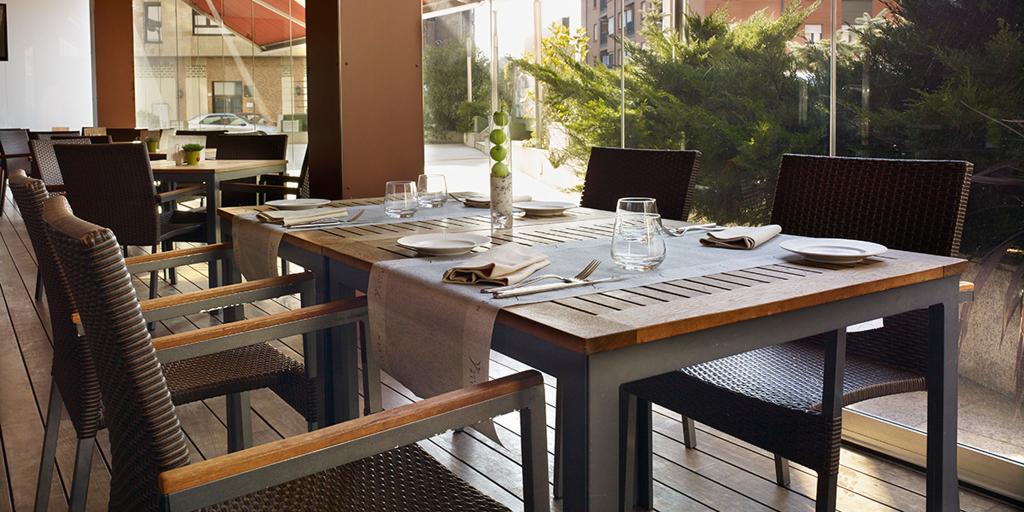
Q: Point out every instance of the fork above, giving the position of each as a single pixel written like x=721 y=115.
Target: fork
x=583 y=274
x=701 y=227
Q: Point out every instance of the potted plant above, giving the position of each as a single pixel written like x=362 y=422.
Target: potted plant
x=153 y=144
x=192 y=152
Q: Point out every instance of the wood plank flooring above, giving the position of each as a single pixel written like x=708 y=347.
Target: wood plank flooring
x=722 y=473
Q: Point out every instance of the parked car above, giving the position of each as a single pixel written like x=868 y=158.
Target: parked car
x=229 y=122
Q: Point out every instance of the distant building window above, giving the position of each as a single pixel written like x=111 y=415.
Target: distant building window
x=812 y=33
x=152 y=25
x=604 y=30
x=204 y=26
x=628 y=20
x=604 y=5
x=606 y=59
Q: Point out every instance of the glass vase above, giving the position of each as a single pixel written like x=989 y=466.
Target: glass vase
x=501 y=202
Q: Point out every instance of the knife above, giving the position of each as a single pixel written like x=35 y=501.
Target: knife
x=541 y=288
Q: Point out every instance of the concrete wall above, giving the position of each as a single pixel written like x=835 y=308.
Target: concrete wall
x=48 y=80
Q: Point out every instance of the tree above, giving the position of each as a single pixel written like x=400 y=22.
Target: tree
x=446 y=107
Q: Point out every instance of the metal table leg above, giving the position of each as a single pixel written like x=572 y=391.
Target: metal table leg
x=942 y=487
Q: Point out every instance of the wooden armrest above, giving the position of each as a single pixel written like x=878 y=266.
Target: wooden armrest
x=254 y=188
x=179 y=257
x=218 y=468
x=172 y=195
x=231 y=335
x=178 y=305
x=966 y=286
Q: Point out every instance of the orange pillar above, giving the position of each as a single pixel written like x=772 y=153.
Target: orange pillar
x=114 y=63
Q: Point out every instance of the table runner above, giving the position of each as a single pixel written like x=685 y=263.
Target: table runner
x=256 y=243
x=434 y=337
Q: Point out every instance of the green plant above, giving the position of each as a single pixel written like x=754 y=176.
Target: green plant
x=192 y=148
x=152 y=139
x=445 y=102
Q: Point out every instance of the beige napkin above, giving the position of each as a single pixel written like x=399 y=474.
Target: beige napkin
x=504 y=265
x=482 y=201
x=291 y=218
x=742 y=237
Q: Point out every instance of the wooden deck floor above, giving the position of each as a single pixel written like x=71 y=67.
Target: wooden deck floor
x=721 y=474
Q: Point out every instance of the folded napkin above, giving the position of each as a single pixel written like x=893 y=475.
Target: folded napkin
x=290 y=218
x=481 y=201
x=742 y=237
x=503 y=265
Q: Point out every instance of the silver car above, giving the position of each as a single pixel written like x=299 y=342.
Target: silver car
x=229 y=122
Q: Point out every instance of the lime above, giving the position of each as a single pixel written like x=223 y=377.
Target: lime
x=501 y=118
x=498 y=136
x=498 y=153
x=499 y=170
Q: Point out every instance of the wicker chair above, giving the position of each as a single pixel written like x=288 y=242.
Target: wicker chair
x=273 y=186
x=14 y=154
x=50 y=135
x=124 y=134
x=773 y=397
x=212 y=136
x=247 y=147
x=351 y=466
x=231 y=373
x=665 y=175
x=93 y=139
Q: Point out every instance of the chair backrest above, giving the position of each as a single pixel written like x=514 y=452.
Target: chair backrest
x=210 y=136
x=50 y=135
x=666 y=175
x=304 y=176
x=112 y=185
x=14 y=141
x=910 y=205
x=124 y=134
x=44 y=159
x=145 y=435
x=73 y=367
x=252 y=147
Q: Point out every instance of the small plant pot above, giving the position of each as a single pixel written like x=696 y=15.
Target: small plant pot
x=192 y=158
x=501 y=202
x=153 y=145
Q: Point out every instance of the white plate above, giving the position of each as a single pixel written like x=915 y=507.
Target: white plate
x=443 y=244
x=298 y=204
x=833 y=250
x=544 y=208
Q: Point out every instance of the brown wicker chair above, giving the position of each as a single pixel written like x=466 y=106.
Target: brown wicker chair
x=273 y=186
x=666 y=175
x=124 y=134
x=14 y=154
x=212 y=136
x=227 y=373
x=772 y=397
x=93 y=139
x=50 y=135
x=247 y=147
x=351 y=466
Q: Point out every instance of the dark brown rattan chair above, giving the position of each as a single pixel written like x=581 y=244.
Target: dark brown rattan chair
x=248 y=147
x=211 y=136
x=14 y=154
x=50 y=135
x=124 y=134
x=352 y=466
x=74 y=380
x=112 y=185
x=666 y=175
x=94 y=139
x=273 y=186
x=772 y=397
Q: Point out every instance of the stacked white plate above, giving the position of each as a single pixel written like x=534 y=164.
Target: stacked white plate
x=443 y=244
x=544 y=208
x=833 y=250
x=298 y=204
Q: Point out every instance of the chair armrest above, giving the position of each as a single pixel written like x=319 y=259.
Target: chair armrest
x=240 y=473
x=56 y=187
x=178 y=258
x=183 y=304
x=232 y=335
x=183 y=191
x=966 y=291
x=254 y=188
x=6 y=156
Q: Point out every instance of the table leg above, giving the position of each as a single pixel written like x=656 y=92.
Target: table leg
x=942 y=488
x=340 y=367
x=213 y=226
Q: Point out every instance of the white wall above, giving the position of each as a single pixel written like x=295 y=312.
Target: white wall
x=48 y=80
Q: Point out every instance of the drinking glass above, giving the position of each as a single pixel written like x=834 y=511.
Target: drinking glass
x=637 y=242
x=433 y=190
x=637 y=205
x=400 y=199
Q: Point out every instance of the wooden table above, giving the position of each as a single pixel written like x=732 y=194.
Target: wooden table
x=594 y=343
x=211 y=173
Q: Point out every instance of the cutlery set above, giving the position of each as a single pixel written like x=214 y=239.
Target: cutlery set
x=530 y=286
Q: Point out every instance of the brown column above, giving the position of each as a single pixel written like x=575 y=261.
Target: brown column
x=375 y=133
x=114 y=63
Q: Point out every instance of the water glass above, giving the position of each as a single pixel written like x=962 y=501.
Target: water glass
x=433 y=190
x=400 y=199
x=637 y=242
x=637 y=205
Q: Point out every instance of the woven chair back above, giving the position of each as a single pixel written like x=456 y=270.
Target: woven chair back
x=73 y=367
x=666 y=175
x=44 y=159
x=252 y=147
x=210 y=137
x=112 y=185
x=145 y=435
x=50 y=135
x=304 y=176
x=14 y=141
x=124 y=134
x=94 y=139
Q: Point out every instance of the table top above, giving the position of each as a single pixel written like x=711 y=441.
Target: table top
x=214 y=166
x=597 y=322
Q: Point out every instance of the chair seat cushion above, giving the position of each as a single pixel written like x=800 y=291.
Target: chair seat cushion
x=404 y=479
x=788 y=375
x=182 y=226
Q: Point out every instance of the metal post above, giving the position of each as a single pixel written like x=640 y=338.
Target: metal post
x=622 y=74
x=832 y=78
x=239 y=416
x=943 y=333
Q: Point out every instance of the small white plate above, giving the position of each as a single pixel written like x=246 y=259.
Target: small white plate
x=298 y=204
x=544 y=208
x=833 y=250
x=443 y=244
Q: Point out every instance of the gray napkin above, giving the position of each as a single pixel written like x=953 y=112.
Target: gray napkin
x=742 y=237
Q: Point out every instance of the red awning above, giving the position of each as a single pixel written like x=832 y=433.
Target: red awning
x=269 y=24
